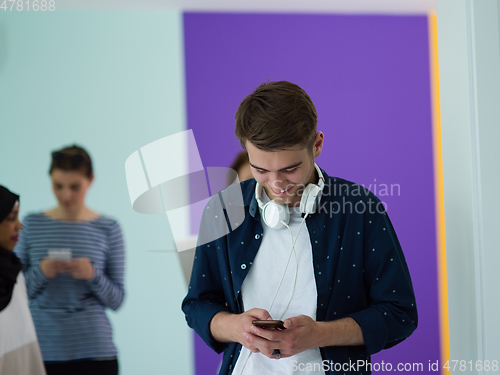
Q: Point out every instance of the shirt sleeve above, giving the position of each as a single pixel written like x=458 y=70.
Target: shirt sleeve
x=36 y=281
x=392 y=313
x=108 y=283
x=205 y=296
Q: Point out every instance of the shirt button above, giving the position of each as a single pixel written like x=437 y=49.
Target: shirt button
x=243 y=266
x=257 y=236
x=230 y=367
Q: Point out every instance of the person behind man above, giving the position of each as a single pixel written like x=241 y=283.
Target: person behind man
x=315 y=251
x=241 y=165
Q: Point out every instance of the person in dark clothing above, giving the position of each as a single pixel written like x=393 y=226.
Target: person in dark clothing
x=19 y=350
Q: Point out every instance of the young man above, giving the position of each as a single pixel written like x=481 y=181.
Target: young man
x=317 y=252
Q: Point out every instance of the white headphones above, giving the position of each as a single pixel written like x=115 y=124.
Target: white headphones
x=274 y=213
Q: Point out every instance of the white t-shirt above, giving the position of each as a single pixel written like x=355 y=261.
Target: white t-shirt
x=260 y=285
x=19 y=350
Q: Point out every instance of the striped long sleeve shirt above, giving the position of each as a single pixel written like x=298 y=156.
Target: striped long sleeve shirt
x=68 y=313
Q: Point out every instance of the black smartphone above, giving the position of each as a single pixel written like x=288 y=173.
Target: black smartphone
x=269 y=324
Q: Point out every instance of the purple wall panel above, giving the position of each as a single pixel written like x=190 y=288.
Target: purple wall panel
x=369 y=78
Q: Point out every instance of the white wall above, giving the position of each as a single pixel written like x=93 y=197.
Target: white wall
x=469 y=68
x=112 y=81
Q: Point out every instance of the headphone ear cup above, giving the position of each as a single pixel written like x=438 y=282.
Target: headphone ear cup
x=274 y=213
x=309 y=200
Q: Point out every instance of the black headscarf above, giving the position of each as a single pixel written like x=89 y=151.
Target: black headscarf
x=7 y=201
x=10 y=265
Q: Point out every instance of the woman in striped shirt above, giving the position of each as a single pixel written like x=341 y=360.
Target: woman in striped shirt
x=73 y=262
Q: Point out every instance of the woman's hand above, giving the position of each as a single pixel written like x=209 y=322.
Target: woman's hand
x=52 y=267
x=80 y=268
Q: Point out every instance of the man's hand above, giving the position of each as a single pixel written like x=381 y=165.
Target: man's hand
x=302 y=333
x=52 y=267
x=227 y=327
x=80 y=268
x=298 y=336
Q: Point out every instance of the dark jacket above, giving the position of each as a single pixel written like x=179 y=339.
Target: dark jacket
x=359 y=267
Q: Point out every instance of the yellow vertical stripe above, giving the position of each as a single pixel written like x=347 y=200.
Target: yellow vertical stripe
x=439 y=194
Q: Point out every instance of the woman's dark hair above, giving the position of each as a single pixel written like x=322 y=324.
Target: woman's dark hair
x=240 y=160
x=7 y=201
x=72 y=158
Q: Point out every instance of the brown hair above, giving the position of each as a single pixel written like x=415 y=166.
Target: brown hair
x=276 y=116
x=72 y=158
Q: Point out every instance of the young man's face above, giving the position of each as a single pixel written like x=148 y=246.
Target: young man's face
x=285 y=173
